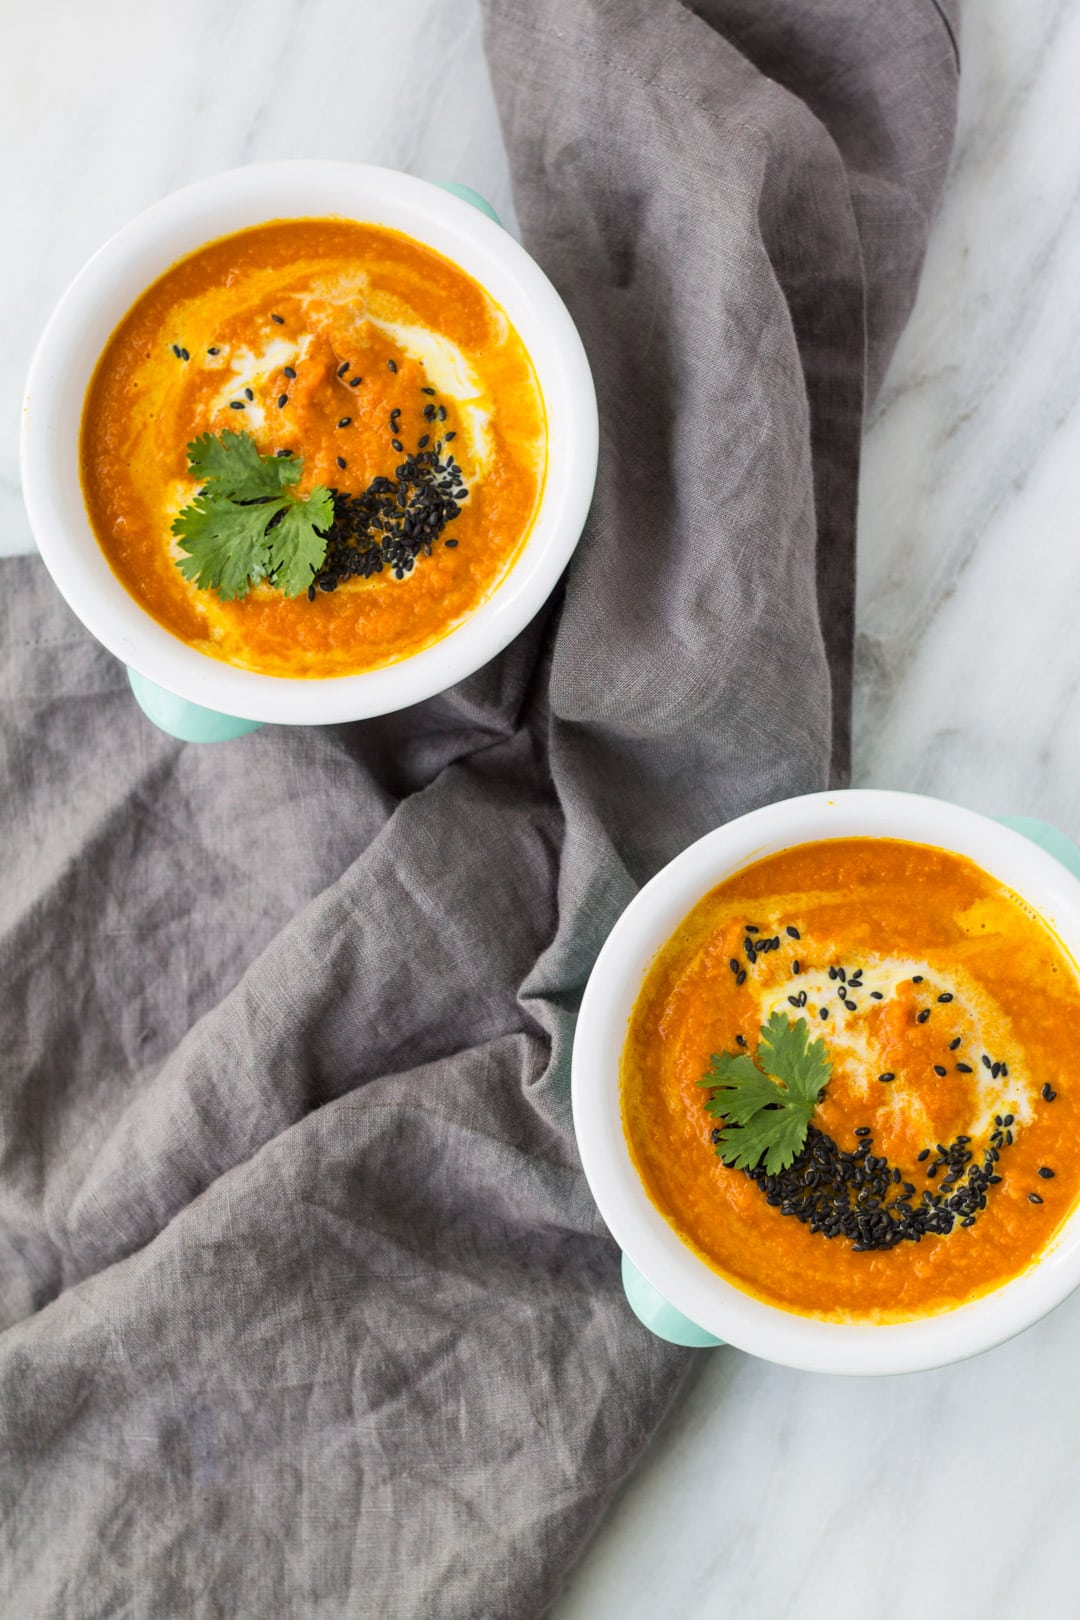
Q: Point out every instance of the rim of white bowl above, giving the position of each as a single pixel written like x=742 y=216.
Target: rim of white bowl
x=645 y=1236
x=142 y=250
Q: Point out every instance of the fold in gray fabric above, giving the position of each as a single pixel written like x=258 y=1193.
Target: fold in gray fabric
x=307 y=1309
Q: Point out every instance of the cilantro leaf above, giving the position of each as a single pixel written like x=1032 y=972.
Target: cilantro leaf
x=788 y=1054
x=247 y=523
x=233 y=461
x=295 y=545
x=767 y=1100
x=746 y=1089
x=775 y=1136
x=225 y=545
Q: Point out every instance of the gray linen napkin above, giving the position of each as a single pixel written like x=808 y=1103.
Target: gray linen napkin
x=306 y=1308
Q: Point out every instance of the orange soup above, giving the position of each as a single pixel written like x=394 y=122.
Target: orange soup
x=941 y=1153
x=388 y=372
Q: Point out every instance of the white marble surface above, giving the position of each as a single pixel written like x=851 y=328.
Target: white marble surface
x=769 y=1494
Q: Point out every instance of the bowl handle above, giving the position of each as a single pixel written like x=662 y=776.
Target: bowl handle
x=1055 y=843
x=179 y=718
x=467 y=194
x=661 y=1318
x=190 y=721
x=650 y=1306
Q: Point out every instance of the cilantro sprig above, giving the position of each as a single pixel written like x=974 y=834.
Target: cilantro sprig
x=247 y=523
x=766 y=1101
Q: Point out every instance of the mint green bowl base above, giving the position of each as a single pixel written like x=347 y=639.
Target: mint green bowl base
x=660 y=1317
x=647 y=1303
x=190 y=722
x=187 y=721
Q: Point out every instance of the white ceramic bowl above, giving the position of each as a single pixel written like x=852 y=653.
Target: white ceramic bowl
x=645 y=1237
x=105 y=290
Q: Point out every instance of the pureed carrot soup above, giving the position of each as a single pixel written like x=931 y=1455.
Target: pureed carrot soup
x=917 y=1016
x=313 y=448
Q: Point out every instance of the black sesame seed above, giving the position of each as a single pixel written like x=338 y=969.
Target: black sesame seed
x=213 y=351
x=397 y=444
x=740 y=1039
x=1009 y=1119
x=876 y=995
x=427 y=390
x=733 y=964
x=450 y=436
x=354 y=382
x=947 y=996
x=740 y=977
x=851 y=1006
x=279 y=319
x=346 y=421
x=283 y=400
x=886 y=1077
x=964 y=1068
x=823 y=1013
x=184 y=354
x=917 y=978
x=393 y=366
x=954 y=1044
x=1048 y=1093
x=1033 y=1198
x=450 y=544
x=343 y=368
x=995 y=1070
x=985 y=1061
x=176 y=350
x=289 y=371
x=248 y=394
x=280 y=453
x=925 y=1154
x=424 y=442
x=939 y=1070
x=342 y=463
x=237 y=405
x=923 y=1016
x=1046 y=1172
x=792 y=932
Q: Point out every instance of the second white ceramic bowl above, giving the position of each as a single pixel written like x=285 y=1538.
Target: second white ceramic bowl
x=646 y=1238
x=135 y=257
